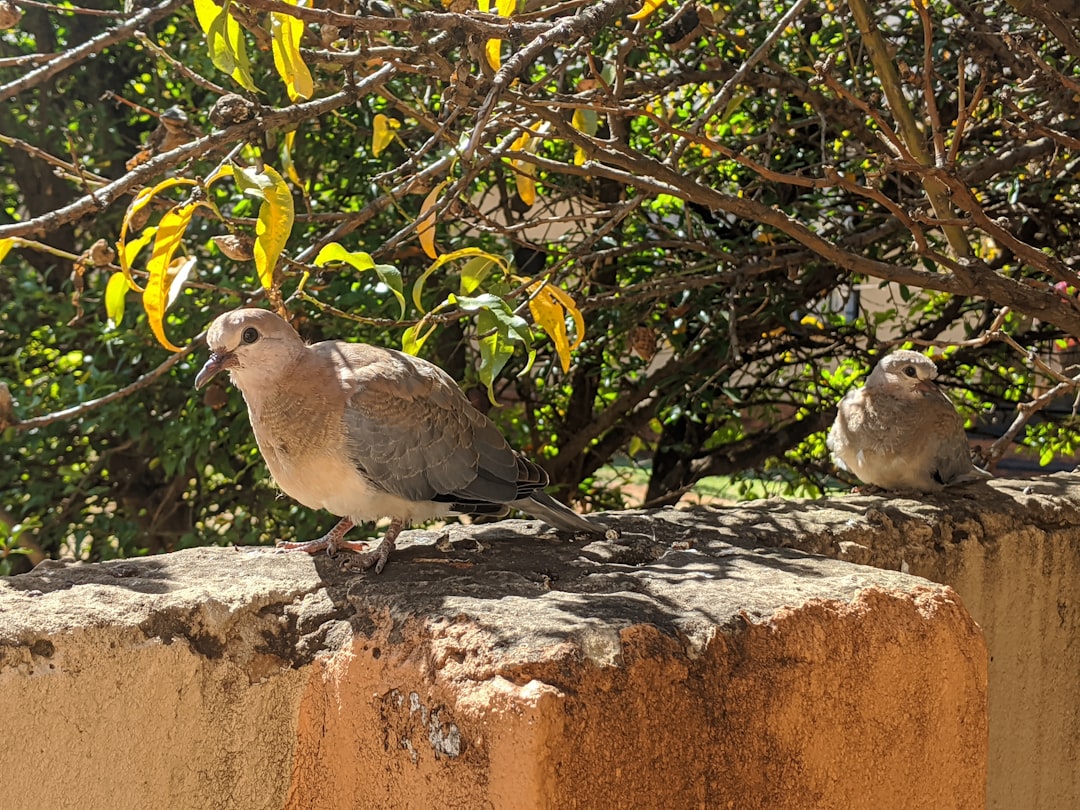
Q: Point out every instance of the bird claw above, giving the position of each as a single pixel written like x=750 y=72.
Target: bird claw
x=333 y=541
x=375 y=559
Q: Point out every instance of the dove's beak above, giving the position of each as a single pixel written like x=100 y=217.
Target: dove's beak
x=923 y=386
x=216 y=363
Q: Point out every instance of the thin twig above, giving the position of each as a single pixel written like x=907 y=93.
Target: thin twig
x=73 y=56
x=179 y=66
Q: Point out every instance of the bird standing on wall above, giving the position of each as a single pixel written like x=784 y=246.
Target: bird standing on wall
x=900 y=431
x=365 y=432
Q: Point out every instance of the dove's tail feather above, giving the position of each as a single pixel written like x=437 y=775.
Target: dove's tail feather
x=541 y=505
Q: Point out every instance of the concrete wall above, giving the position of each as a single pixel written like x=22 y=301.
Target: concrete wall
x=1011 y=550
x=498 y=669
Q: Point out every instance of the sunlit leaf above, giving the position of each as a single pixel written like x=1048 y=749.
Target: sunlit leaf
x=129 y=250
x=225 y=42
x=382 y=135
x=156 y=295
x=272 y=230
x=286 y=32
x=498 y=329
x=647 y=9
x=425 y=223
x=115 y=295
x=549 y=306
x=495 y=350
x=586 y=121
x=127 y=253
x=474 y=272
x=416 y=336
x=287 y=147
x=524 y=171
x=493 y=53
x=389 y=275
x=464 y=253
x=524 y=181
x=5 y=247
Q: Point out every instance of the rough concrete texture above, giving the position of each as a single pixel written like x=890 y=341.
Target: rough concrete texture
x=496 y=667
x=1011 y=550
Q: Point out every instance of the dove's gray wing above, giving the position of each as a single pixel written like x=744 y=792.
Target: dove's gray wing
x=413 y=433
x=951 y=457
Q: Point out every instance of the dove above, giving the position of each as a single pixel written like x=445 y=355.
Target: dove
x=366 y=432
x=900 y=431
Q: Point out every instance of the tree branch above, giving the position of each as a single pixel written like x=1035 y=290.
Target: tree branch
x=94 y=45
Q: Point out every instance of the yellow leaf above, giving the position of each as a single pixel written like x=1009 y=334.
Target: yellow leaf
x=493 y=53
x=522 y=142
x=5 y=246
x=275 y=223
x=115 y=292
x=286 y=32
x=463 y=253
x=425 y=223
x=647 y=9
x=142 y=199
x=383 y=133
x=484 y=5
x=156 y=295
x=286 y=157
x=225 y=42
x=129 y=250
x=549 y=306
x=506 y=7
x=523 y=180
x=586 y=121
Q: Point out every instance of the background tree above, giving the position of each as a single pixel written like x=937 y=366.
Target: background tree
x=649 y=232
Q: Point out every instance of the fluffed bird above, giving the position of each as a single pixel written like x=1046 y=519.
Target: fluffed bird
x=366 y=432
x=900 y=432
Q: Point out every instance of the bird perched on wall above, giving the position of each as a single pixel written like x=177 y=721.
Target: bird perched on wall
x=900 y=431
x=365 y=433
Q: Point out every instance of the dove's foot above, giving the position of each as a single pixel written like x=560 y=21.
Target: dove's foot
x=332 y=541
x=377 y=558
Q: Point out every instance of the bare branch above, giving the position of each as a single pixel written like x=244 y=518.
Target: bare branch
x=95 y=45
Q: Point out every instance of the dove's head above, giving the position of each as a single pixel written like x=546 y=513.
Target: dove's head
x=251 y=344
x=905 y=373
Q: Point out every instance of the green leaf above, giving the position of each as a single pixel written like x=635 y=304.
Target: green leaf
x=416 y=336
x=418 y=285
x=499 y=329
x=389 y=275
x=495 y=349
x=474 y=272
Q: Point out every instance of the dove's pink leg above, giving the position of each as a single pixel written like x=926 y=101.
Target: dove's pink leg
x=376 y=559
x=332 y=541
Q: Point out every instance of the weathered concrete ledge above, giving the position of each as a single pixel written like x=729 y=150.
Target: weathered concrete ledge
x=1011 y=549
x=497 y=668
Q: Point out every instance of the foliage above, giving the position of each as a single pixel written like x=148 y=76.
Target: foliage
x=674 y=233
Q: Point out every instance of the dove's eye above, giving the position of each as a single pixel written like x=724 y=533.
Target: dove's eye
x=910 y=371
x=250 y=335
